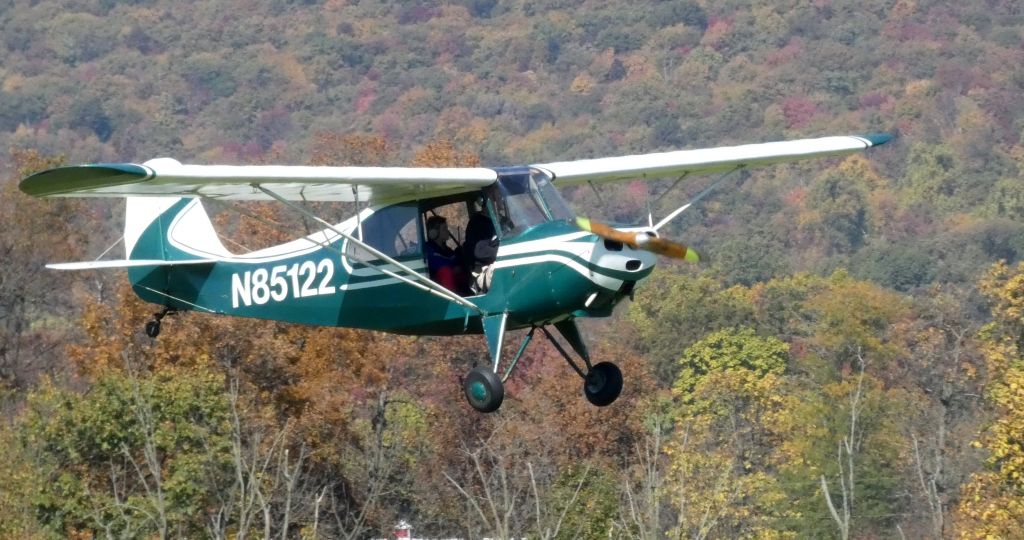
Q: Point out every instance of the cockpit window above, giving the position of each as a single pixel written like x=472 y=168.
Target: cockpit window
x=522 y=203
x=393 y=230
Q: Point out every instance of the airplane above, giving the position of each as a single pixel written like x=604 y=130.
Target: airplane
x=525 y=260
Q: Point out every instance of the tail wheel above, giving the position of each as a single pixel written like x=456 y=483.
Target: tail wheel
x=603 y=384
x=484 y=390
x=153 y=326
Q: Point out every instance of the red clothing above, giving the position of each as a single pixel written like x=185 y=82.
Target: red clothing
x=444 y=265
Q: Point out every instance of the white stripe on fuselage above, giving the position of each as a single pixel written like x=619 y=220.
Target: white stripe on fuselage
x=558 y=243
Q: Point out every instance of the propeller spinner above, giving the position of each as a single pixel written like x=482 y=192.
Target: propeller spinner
x=645 y=240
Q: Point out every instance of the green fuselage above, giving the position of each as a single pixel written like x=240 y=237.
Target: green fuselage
x=549 y=272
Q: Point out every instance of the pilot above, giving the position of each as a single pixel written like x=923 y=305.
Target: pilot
x=443 y=262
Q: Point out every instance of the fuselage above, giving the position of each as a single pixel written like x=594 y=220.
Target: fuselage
x=544 y=272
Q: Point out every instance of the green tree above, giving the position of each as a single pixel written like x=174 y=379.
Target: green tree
x=674 y=310
x=729 y=349
x=721 y=454
x=135 y=456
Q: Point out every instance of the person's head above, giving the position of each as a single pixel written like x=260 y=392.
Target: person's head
x=437 y=229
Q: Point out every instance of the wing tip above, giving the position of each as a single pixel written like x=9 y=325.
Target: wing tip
x=70 y=179
x=876 y=139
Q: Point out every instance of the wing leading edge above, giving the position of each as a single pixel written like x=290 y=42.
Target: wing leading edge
x=708 y=160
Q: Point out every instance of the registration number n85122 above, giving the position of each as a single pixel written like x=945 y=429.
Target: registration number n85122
x=300 y=280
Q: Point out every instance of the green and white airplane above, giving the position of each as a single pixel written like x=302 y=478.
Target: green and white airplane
x=525 y=260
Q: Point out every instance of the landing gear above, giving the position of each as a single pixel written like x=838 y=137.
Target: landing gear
x=603 y=384
x=484 y=389
x=153 y=327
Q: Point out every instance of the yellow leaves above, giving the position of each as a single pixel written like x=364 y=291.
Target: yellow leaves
x=918 y=88
x=903 y=9
x=292 y=69
x=860 y=168
x=854 y=314
x=13 y=82
x=582 y=84
x=416 y=100
x=1005 y=334
x=988 y=510
x=991 y=505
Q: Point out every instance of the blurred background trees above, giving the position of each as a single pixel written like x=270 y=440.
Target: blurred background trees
x=851 y=336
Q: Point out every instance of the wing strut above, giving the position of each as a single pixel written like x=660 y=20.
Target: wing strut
x=416 y=279
x=707 y=191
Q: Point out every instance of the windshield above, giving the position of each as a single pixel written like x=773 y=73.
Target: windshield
x=528 y=198
x=556 y=205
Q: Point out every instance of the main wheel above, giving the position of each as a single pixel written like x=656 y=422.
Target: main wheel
x=603 y=384
x=484 y=390
x=153 y=329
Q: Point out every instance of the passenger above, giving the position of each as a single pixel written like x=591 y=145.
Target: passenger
x=443 y=262
x=481 y=240
x=481 y=247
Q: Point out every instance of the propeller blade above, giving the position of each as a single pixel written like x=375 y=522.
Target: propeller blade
x=640 y=240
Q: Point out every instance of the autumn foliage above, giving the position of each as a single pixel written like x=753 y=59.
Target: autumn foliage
x=847 y=363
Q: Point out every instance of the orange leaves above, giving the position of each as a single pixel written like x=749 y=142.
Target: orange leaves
x=442 y=153
x=332 y=148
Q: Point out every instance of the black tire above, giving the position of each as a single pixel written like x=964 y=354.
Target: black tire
x=483 y=389
x=153 y=329
x=603 y=384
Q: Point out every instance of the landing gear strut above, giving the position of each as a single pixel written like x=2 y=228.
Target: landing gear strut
x=484 y=388
x=602 y=383
x=153 y=326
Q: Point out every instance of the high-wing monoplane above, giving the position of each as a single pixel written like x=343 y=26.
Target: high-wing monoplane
x=525 y=261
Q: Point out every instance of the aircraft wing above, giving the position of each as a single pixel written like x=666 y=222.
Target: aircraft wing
x=682 y=162
x=168 y=177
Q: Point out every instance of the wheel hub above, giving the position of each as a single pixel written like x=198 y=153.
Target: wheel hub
x=477 y=391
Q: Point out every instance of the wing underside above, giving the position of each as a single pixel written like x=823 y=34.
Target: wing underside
x=684 y=162
x=167 y=177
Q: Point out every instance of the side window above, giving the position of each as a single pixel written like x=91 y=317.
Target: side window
x=393 y=230
x=456 y=215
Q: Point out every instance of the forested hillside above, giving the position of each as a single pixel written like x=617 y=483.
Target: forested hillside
x=846 y=363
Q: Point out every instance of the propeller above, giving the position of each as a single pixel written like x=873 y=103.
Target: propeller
x=649 y=240
x=645 y=240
